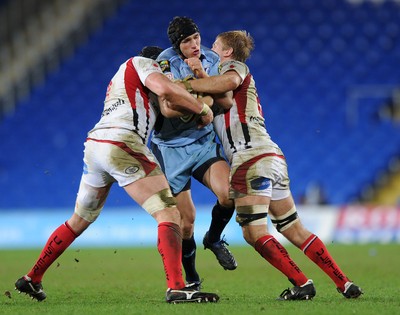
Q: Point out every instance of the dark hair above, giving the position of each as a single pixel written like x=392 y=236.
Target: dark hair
x=151 y=52
x=180 y=28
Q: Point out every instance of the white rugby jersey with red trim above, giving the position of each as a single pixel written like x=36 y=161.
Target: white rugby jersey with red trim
x=127 y=104
x=243 y=126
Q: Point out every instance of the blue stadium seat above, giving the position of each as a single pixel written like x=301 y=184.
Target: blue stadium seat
x=308 y=56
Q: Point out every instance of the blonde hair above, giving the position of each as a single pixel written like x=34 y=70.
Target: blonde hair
x=240 y=41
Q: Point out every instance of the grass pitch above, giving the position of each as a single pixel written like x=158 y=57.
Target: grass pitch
x=131 y=281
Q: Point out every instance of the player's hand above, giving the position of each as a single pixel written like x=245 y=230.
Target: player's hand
x=195 y=65
x=205 y=120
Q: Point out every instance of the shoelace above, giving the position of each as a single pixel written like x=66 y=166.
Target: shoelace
x=194 y=284
x=223 y=241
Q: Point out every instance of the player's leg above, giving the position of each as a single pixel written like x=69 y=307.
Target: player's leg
x=177 y=165
x=216 y=178
x=213 y=172
x=147 y=185
x=188 y=215
x=89 y=203
x=253 y=177
x=285 y=218
x=252 y=214
x=154 y=195
x=252 y=217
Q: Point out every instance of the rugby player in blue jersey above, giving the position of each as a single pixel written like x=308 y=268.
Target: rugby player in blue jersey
x=184 y=150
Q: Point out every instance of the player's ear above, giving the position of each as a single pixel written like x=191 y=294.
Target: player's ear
x=228 y=52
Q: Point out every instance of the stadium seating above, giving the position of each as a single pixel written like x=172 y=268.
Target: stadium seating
x=323 y=69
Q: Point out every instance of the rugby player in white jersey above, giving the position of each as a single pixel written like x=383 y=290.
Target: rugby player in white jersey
x=259 y=181
x=116 y=151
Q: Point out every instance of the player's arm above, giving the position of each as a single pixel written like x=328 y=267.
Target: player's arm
x=203 y=119
x=225 y=100
x=218 y=84
x=167 y=111
x=170 y=110
x=176 y=98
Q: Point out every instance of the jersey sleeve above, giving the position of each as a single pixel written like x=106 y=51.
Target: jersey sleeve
x=145 y=67
x=232 y=65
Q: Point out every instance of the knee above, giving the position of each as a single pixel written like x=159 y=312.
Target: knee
x=187 y=225
x=167 y=215
x=89 y=202
x=187 y=229
x=250 y=235
x=225 y=202
x=78 y=224
x=188 y=219
x=249 y=240
x=286 y=221
x=174 y=214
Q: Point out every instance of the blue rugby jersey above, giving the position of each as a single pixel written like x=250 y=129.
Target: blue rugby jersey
x=176 y=132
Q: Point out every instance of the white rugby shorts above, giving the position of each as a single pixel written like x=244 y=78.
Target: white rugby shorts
x=117 y=155
x=259 y=172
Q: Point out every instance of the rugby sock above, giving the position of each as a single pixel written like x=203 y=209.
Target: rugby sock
x=220 y=218
x=269 y=248
x=189 y=260
x=57 y=243
x=315 y=249
x=170 y=248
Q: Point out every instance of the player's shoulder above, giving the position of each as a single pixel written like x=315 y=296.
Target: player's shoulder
x=141 y=59
x=167 y=54
x=210 y=55
x=143 y=63
x=169 y=59
x=235 y=65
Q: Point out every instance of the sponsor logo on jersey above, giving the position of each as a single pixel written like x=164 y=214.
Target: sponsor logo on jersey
x=260 y=183
x=165 y=66
x=258 y=120
x=132 y=169
x=113 y=107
